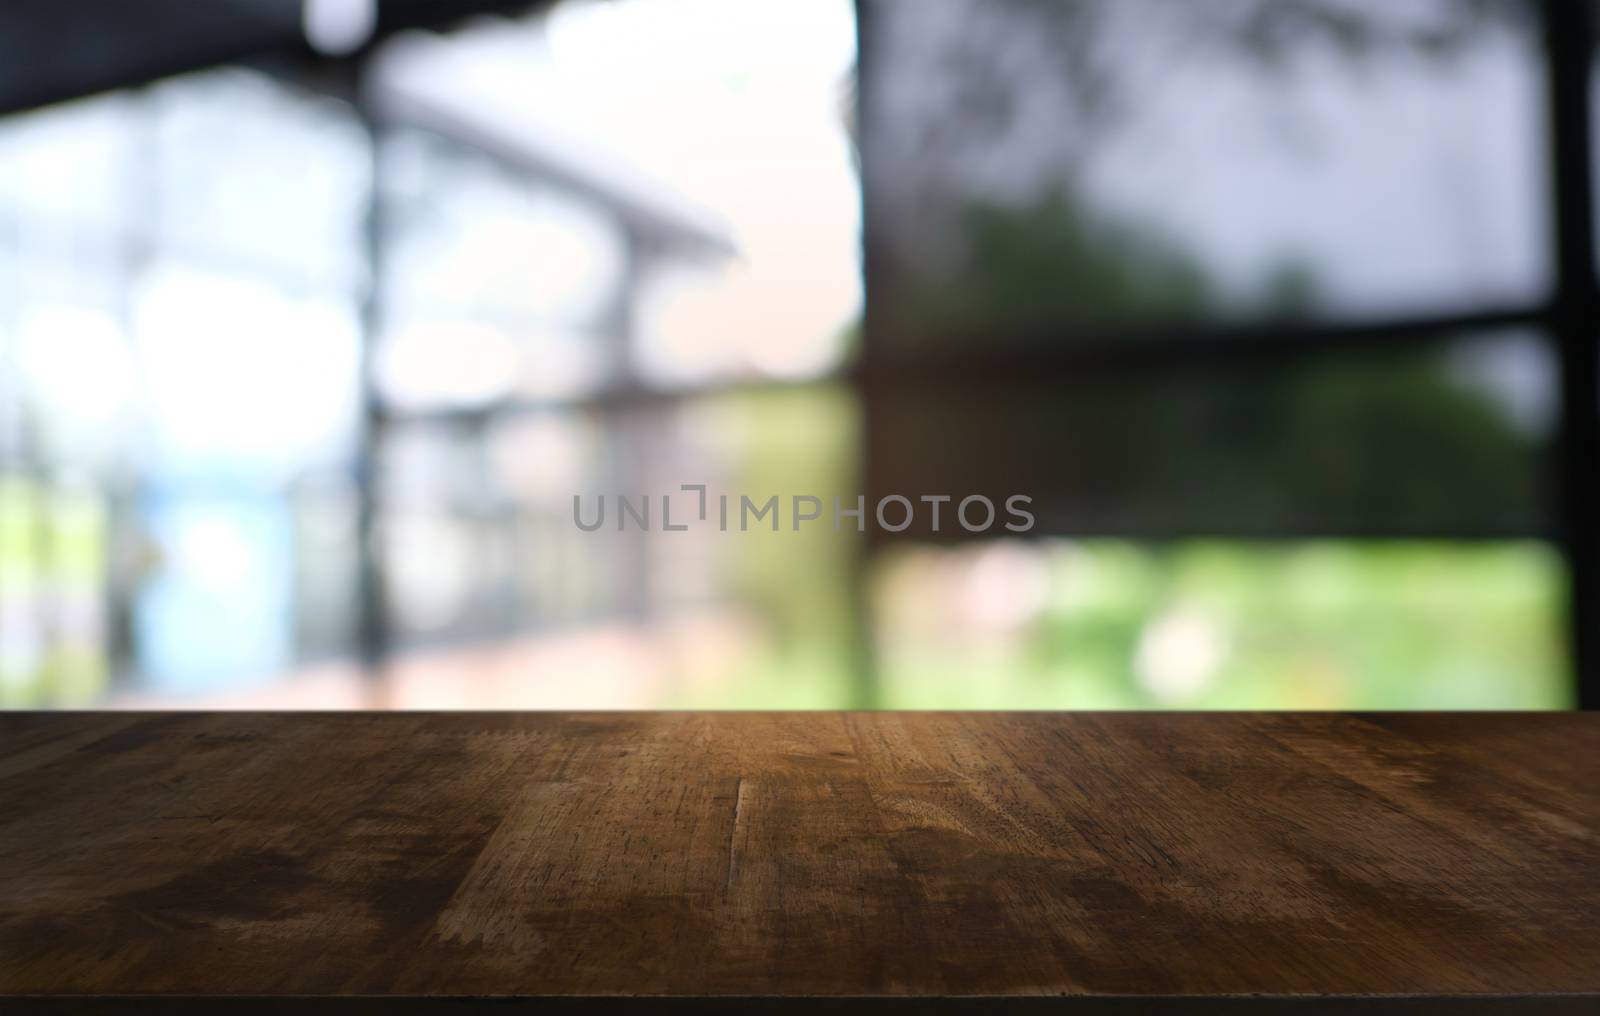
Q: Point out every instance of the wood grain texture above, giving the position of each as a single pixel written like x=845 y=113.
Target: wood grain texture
x=738 y=854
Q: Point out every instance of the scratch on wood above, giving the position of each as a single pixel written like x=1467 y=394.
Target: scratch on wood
x=733 y=833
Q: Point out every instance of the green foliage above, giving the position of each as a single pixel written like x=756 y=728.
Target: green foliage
x=1312 y=625
x=1058 y=260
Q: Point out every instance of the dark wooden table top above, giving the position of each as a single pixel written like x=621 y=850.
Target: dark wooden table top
x=1094 y=862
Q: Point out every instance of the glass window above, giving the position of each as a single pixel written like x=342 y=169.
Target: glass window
x=1326 y=624
x=1093 y=161
x=253 y=176
x=1394 y=442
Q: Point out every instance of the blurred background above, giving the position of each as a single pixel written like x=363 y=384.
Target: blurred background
x=315 y=316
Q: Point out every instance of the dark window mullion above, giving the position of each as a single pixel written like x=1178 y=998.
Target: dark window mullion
x=1569 y=40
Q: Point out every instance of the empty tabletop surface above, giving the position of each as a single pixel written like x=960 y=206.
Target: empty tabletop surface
x=1079 y=857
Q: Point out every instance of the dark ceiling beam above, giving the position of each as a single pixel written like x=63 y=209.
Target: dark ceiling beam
x=55 y=50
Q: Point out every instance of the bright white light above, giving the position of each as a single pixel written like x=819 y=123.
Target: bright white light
x=241 y=373
x=337 y=27
x=213 y=552
x=77 y=362
x=448 y=363
x=1180 y=654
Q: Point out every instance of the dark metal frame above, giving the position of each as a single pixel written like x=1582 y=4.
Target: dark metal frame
x=1569 y=54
